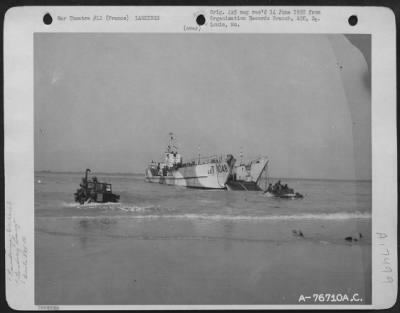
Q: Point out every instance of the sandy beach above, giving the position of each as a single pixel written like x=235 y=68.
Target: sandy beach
x=177 y=261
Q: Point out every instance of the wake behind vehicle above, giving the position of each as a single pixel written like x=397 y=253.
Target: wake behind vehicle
x=91 y=190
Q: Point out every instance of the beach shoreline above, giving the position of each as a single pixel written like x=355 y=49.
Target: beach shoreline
x=172 y=262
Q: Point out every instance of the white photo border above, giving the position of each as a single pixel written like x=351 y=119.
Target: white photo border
x=21 y=23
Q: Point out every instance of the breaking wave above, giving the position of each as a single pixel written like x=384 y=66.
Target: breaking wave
x=88 y=206
x=140 y=209
x=109 y=205
x=216 y=217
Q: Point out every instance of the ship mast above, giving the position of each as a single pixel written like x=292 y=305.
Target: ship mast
x=172 y=148
x=198 y=153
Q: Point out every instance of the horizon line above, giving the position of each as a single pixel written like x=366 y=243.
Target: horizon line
x=138 y=173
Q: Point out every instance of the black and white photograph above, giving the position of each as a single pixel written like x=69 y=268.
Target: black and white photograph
x=202 y=168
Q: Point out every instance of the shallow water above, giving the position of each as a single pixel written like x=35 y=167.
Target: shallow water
x=203 y=246
x=139 y=199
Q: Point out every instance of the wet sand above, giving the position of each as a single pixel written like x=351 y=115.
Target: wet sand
x=167 y=261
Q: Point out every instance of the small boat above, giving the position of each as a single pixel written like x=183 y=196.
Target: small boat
x=94 y=191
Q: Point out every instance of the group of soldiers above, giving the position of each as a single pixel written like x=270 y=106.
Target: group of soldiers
x=84 y=193
x=278 y=188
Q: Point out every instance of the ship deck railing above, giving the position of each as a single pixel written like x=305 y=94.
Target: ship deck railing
x=204 y=160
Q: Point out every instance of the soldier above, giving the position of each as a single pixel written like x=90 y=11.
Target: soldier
x=277 y=186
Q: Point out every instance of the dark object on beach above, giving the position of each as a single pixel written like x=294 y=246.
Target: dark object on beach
x=298 y=233
x=282 y=191
x=355 y=237
x=94 y=191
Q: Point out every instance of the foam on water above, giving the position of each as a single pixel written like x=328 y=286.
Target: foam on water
x=331 y=216
x=139 y=208
x=324 y=200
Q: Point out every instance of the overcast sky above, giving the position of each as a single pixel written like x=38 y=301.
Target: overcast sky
x=108 y=101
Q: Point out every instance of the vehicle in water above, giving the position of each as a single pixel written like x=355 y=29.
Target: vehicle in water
x=207 y=173
x=91 y=190
x=282 y=191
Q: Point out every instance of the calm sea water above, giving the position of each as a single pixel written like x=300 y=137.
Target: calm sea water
x=323 y=199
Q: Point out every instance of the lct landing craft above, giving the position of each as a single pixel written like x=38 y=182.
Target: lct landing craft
x=216 y=172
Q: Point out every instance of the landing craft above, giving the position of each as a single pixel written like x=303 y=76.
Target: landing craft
x=247 y=176
x=208 y=173
x=215 y=172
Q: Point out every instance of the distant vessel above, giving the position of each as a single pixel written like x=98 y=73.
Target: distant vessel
x=208 y=173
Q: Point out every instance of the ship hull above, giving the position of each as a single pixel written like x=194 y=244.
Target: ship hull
x=205 y=176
